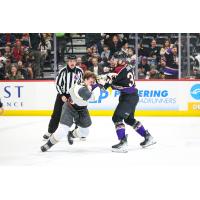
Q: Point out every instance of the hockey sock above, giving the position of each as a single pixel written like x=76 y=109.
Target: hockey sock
x=61 y=132
x=80 y=132
x=120 y=129
x=139 y=128
x=51 y=141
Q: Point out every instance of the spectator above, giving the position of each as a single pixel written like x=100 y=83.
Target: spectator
x=124 y=49
x=96 y=68
x=47 y=36
x=115 y=45
x=25 y=40
x=106 y=39
x=17 y=51
x=100 y=46
x=154 y=73
x=161 y=67
x=131 y=56
x=88 y=57
x=105 y=53
x=45 y=43
x=2 y=71
x=142 y=51
x=143 y=68
x=95 y=51
x=22 y=70
x=92 y=38
x=7 y=54
x=8 y=39
x=28 y=56
x=154 y=51
x=2 y=58
x=172 y=58
x=14 y=74
x=45 y=48
x=35 y=40
x=61 y=42
x=7 y=67
x=30 y=70
x=80 y=64
x=171 y=69
x=196 y=73
x=166 y=48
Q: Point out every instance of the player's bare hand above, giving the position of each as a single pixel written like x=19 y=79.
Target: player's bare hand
x=112 y=75
x=64 y=99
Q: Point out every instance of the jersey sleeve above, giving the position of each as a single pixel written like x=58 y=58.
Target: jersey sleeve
x=59 y=82
x=124 y=79
x=80 y=76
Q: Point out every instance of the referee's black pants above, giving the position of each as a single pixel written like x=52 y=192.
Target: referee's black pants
x=55 y=117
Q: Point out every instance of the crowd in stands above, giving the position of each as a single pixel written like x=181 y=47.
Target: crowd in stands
x=22 y=56
x=110 y=52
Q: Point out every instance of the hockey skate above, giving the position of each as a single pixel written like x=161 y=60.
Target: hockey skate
x=121 y=147
x=70 y=136
x=45 y=147
x=148 y=140
x=82 y=138
x=49 y=144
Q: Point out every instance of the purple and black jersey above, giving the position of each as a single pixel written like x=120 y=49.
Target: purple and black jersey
x=125 y=80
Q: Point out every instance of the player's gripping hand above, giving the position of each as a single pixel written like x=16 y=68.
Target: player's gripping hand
x=64 y=99
x=111 y=77
x=106 y=78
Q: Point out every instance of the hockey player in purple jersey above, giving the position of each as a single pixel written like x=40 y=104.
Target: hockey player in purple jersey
x=124 y=112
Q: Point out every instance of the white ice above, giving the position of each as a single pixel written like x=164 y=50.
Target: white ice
x=90 y=171
x=178 y=144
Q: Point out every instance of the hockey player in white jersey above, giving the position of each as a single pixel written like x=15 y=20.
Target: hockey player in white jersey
x=75 y=110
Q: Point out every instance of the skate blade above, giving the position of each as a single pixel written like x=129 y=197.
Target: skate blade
x=120 y=150
x=82 y=139
x=150 y=144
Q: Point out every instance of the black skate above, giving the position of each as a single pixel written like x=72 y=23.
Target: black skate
x=70 y=136
x=148 y=140
x=121 y=147
x=45 y=148
x=48 y=145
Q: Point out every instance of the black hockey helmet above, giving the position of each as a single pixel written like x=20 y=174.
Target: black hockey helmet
x=71 y=57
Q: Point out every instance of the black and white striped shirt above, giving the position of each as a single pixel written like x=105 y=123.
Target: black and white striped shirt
x=67 y=77
x=1 y=104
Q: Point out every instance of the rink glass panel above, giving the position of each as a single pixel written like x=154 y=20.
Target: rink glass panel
x=63 y=44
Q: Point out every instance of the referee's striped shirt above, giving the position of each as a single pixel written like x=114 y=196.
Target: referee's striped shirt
x=67 y=77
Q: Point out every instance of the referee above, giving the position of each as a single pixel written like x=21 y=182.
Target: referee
x=66 y=78
x=1 y=107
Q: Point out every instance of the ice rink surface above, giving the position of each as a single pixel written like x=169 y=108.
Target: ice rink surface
x=89 y=170
x=178 y=143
